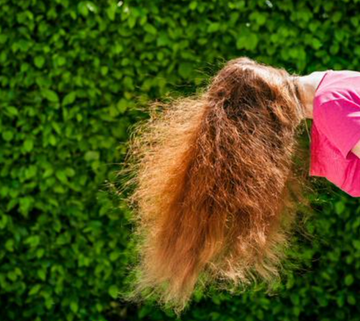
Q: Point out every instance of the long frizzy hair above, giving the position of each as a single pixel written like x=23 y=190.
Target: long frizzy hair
x=215 y=189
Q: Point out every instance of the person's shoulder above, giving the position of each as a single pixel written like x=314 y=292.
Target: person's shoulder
x=317 y=76
x=339 y=85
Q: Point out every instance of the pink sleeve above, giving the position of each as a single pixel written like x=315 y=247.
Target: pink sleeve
x=339 y=121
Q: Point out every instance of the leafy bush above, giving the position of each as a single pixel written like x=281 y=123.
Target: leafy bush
x=72 y=75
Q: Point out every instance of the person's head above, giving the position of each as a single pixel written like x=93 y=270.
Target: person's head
x=215 y=192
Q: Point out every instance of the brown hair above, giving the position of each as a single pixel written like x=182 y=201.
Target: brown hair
x=215 y=187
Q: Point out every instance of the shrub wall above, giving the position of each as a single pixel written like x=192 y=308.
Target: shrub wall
x=71 y=76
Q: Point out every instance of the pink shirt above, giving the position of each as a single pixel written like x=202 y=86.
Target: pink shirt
x=336 y=129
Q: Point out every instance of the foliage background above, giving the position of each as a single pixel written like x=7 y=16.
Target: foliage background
x=71 y=75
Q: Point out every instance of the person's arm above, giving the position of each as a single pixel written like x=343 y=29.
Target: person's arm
x=339 y=121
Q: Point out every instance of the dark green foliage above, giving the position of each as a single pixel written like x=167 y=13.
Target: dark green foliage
x=71 y=76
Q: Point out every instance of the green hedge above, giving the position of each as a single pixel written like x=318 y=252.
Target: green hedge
x=72 y=76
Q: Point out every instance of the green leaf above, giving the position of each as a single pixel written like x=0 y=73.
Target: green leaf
x=113 y=291
x=193 y=5
x=316 y=43
x=104 y=70
x=3 y=39
x=150 y=29
x=9 y=245
x=185 y=70
x=356 y=244
x=48 y=172
x=42 y=274
x=33 y=240
x=92 y=7
x=39 y=61
x=12 y=110
x=70 y=172
x=30 y=171
x=339 y=207
x=7 y=135
x=114 y=255
x=61 y=61
x=52 y=140
x=49 y=303
x=50 y=95
x=92 y=155
x=113 y=111
x=82 y=7
x=351 y=299
x=354 y=21
x=252 y=41
x=122 y=105
x=35 y=289
x=60 y=174
x=110 y=11
x=213 y=27
x=259 y=17
x=336 y=17
x=3 y=221
x=28 y=145
x=40 y=253
x=74 y=306
x=12 y=275
x=349 y=279
x=25 y=205
x=131 y=22
x=56 y=127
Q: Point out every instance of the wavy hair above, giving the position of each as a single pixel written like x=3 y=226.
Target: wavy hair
x=215 y=187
